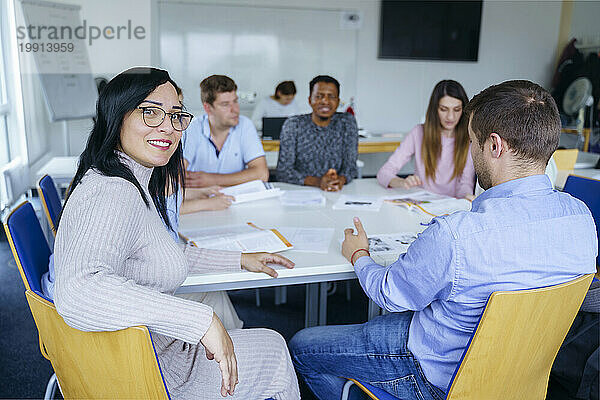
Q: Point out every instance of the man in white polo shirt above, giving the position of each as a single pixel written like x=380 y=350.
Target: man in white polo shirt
x=222 y=147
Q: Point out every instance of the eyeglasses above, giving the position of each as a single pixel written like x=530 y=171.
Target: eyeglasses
x=154 y=116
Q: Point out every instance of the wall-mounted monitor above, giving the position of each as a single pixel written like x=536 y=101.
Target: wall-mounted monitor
x=430 y=30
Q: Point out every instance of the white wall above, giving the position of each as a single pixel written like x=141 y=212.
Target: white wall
x=518 y=40
x=585 y=22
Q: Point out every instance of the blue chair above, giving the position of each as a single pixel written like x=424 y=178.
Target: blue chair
x=50 y=200
x=28 y=245
x=118 y=364
x=588 y=191
x=31 y=252
x=505 y=358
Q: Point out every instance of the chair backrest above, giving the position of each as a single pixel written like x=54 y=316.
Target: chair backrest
x=588 y=191
x=50 y=200
x=108 y=365
x=28 y=245
x=565 y=158
x=518 y=336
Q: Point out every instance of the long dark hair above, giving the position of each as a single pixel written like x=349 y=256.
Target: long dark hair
x=431 y=148
x=121 y=95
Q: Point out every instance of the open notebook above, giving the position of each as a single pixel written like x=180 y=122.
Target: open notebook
x=245 y=238
x=253 y=190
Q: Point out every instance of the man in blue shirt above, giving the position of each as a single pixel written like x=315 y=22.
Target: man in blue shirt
x=518 y=234
x=222 y=147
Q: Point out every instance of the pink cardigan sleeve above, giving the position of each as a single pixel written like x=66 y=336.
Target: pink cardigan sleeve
x=397 y=160
x=466 y=180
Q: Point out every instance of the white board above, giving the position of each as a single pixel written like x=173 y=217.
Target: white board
x=66 y=77
x=256 y=46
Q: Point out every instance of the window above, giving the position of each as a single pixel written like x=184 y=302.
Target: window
x=4 y=107
x=4 y=143
x=13 y=146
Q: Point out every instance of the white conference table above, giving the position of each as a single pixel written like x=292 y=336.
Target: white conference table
x=310 y=268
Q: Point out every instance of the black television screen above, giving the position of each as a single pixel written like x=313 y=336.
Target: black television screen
x=430 y=30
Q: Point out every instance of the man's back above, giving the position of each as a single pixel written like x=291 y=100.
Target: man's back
x=519 y=234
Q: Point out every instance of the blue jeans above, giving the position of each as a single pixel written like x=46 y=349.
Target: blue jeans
x=375 y=352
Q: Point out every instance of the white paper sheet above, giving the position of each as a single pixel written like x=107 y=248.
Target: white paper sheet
x=308 y=197
x=351 y=202
x=314 y=240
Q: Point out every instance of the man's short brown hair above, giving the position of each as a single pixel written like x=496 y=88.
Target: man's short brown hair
x=520 y=112
x=215 y=84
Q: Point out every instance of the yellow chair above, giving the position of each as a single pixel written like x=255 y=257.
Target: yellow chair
x=514 y=345
x=513 y=348
x=109 y=365
x=565 y=159
x=103 y=365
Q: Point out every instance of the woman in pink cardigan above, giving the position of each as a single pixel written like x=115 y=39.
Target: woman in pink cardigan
x=441 y=148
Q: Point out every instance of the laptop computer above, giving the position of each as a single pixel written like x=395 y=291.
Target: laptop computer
x=271 y=128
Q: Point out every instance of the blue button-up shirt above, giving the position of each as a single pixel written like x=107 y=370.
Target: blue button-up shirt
x=519 y=234
x=241 y=146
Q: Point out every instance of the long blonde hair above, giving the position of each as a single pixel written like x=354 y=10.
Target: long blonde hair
x=432 y=138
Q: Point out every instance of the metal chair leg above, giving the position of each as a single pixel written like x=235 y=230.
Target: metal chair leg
x=280 y=295
x=51 y=388
x=346 y=390
x=348 y=290
x=257 y=295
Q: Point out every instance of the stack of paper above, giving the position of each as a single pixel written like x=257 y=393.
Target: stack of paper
x=308 y=197
x=253 y=190
x=366 y=203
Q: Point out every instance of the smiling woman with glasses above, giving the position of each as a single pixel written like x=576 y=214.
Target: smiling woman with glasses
x=117 y=266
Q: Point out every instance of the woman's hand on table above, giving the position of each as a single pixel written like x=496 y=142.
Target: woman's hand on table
x=405 y=183
x=257 y=262
x=219 y=347
x=353 y=242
